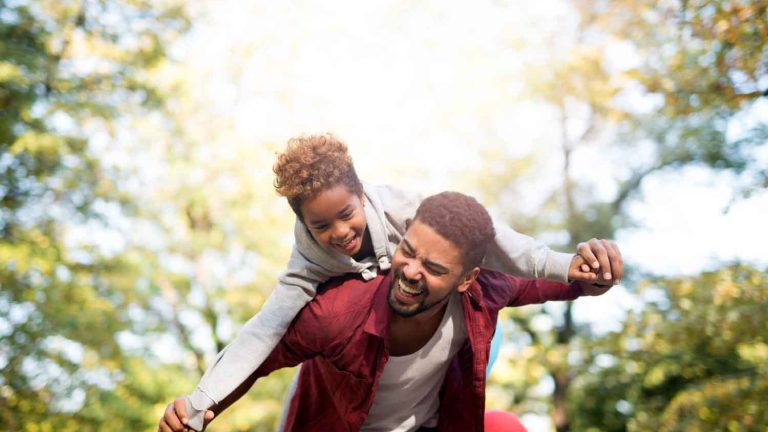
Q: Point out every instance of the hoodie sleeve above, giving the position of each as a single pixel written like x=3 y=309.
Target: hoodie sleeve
x=258 y=337
x=512 y=252
x=520 y=255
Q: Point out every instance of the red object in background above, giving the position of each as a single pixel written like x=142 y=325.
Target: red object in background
x=502 y=421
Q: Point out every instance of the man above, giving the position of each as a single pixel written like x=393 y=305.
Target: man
x=407 y=349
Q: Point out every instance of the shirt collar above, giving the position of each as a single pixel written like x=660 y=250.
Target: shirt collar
x=378 y=321
x=381 y=313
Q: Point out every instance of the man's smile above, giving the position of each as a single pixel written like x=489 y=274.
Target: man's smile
x=408 y=289
x=408 y=294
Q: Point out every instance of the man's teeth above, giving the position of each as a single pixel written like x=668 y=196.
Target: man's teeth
x=407 y=289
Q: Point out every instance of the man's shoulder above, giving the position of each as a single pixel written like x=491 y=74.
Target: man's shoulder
x=490 y=279
x=498 y=288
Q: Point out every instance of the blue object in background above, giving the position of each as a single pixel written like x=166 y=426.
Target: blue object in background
x=495 y=346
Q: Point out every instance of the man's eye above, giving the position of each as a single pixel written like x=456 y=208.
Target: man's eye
x=433 y=271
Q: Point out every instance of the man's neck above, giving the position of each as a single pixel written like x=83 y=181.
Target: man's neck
x=409 y=334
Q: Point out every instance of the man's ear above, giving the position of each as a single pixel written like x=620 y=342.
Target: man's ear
x=408 y=223
x=468 y=278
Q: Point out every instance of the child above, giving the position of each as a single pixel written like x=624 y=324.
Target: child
x=343 y=226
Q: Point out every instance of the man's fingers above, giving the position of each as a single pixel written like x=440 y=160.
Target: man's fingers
x=604 y=257
x=617 y=263
x=595 y=289
x=600 y=250
x=585 y=252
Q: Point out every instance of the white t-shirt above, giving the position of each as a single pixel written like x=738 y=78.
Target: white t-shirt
x=408 y=393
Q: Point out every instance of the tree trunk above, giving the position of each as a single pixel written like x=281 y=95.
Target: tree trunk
x=561 y=373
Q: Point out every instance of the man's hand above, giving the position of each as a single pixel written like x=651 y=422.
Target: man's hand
x=595 y=289
x=597 y=260
x=175 y=418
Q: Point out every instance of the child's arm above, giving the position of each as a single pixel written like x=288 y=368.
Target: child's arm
x=292 y=348
x=512 y=253
x=520 y=255
x=258 y=337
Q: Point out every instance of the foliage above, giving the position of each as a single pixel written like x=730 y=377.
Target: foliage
x=694 y=358
x=67 y=71
x=222 y=234
x=139 y=230
x=647 y=87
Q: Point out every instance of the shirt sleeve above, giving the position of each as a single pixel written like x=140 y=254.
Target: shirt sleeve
x=257 y=338
x=502 y=290
x=537 y=291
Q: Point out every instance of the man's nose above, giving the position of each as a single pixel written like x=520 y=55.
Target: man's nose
x=412 y=270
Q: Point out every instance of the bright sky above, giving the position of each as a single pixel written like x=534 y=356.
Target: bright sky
x=416 y=87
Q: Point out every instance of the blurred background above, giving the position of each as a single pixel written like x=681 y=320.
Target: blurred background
x=140 y=227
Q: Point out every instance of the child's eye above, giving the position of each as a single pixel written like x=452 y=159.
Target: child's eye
x=346 y=216
x=320 y=227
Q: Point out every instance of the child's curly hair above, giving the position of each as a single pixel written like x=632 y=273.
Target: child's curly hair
x=312 y=164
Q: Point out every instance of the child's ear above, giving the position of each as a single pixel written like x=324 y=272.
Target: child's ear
x=408 y=223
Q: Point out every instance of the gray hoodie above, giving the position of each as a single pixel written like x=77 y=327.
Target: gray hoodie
x=310 y=264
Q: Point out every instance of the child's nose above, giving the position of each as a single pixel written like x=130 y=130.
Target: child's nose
x=340 y=230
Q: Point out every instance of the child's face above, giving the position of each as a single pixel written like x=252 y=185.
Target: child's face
x=336 y=219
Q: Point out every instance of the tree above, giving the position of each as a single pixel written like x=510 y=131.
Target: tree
x=66 y=74
x=686 y=74
x=694 y=358
x=222 y=234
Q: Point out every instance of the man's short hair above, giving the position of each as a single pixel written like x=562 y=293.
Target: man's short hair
x=461 y=220
x=311 y=164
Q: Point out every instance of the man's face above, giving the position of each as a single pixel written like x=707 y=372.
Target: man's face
x=426 y=270
x=336 y=219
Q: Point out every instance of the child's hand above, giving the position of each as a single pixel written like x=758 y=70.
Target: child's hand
x=596 y=259
x=175 y=418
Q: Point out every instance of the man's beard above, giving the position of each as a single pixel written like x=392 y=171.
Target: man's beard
x=420 y=307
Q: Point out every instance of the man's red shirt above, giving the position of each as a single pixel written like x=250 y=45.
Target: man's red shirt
x=341 y=337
